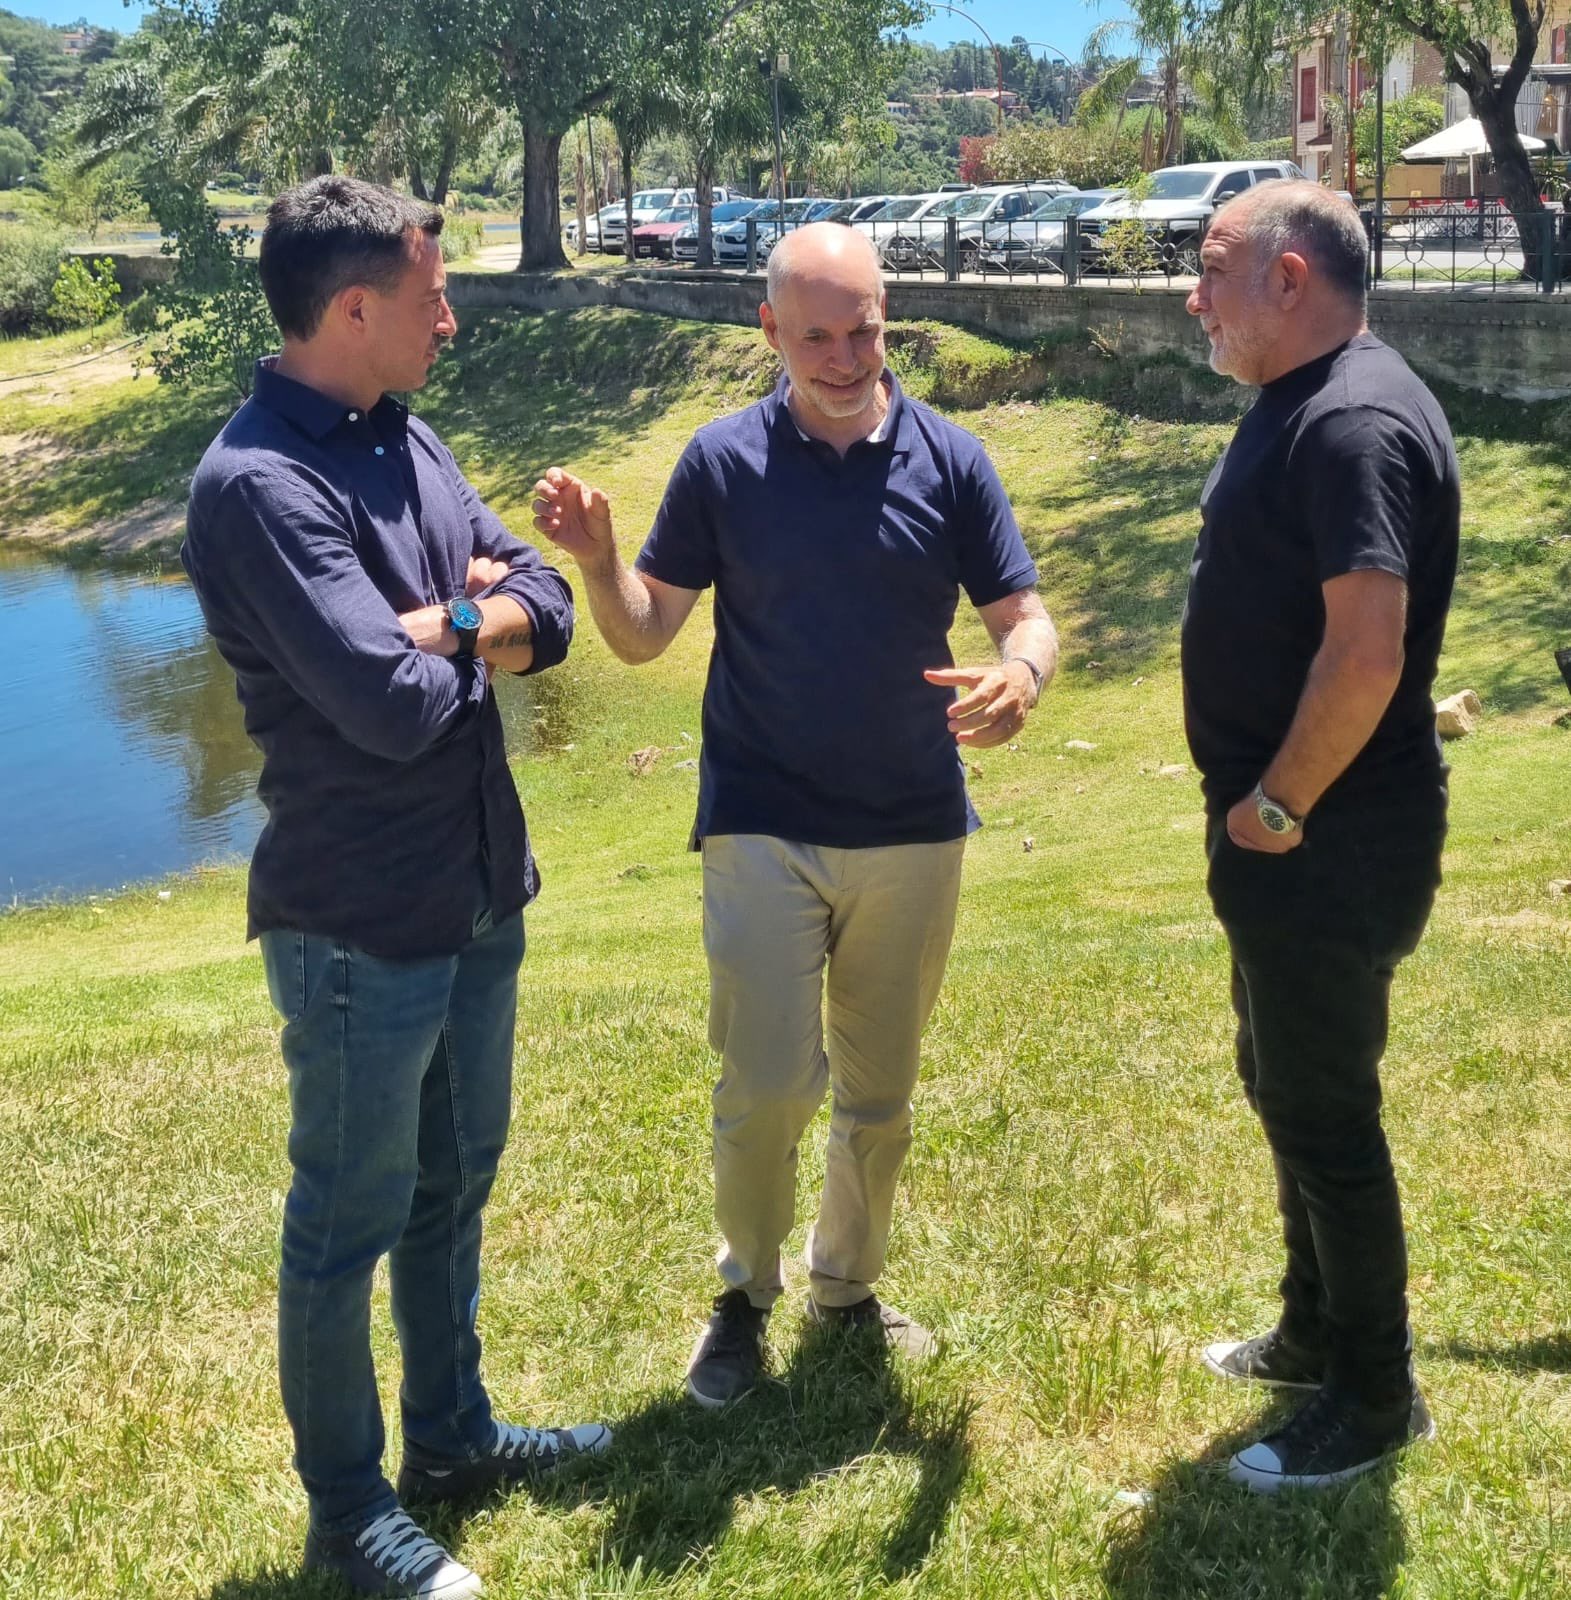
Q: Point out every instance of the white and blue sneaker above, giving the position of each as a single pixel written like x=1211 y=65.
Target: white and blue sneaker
x=391 y=1556
x=517 y=1455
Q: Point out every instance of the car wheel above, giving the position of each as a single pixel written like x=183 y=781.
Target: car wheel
x=969 y=256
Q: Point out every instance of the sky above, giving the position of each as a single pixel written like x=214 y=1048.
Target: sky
x=1063 y=24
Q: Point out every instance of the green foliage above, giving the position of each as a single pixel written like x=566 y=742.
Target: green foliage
x=1089 y=158
x=212 y=317
x=1408 y=118
x=83 y=293
x=17 y=157
x=86 y=197
x=1267 y=150
x=29 y=262
x=460 y=237
x=1205 y=139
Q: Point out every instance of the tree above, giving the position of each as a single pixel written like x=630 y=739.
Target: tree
x=1467 y=34
x=1408 y=118
x=17 y=157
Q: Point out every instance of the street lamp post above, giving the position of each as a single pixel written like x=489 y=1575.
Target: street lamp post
x=1063 y=105
x=774 y=68
x=998 y=58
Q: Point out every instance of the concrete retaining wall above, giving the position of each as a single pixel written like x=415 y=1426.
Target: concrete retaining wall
x=1512 y=343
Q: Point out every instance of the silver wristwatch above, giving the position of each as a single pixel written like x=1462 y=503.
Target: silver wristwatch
x=1274 y=816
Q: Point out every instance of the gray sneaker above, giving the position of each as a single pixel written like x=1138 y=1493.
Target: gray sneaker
x=899 y=1331
x=729 y=1356
x=392 y=1556
x=517 y=1455
x=1267 y=1359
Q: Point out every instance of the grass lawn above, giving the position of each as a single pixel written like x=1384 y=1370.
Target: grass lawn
x=1088 y=1199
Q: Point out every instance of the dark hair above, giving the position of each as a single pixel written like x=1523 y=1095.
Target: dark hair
x=1294 y=214
x=328 y=233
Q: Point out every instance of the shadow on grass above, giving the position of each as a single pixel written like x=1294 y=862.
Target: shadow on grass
x=1201 y=1537
x=519 y=393
x=672 y=1481
x=671 y=1484
x=1128 y=580
x=1549 y=1353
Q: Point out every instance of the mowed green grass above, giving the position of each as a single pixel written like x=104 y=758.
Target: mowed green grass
x=1087 y=1201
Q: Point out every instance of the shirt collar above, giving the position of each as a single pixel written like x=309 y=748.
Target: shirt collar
x=315 y=414
x=894 y=424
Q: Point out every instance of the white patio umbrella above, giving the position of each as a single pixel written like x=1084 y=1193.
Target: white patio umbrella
x=1462 y=141
x=1459 y=142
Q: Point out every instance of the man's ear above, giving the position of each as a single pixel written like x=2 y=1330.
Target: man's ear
x=349 y=307
x=766 y=320
x=1294 y=270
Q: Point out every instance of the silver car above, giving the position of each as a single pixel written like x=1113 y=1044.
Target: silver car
x=1037 y=241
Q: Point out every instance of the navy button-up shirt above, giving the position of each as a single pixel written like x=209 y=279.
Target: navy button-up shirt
x=390 y=808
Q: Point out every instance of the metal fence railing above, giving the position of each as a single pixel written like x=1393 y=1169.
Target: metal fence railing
x=1031 y=250
x=1465 y=244
x=1451 y=245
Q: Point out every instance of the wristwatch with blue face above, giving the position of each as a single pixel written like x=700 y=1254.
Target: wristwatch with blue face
x=464 y=618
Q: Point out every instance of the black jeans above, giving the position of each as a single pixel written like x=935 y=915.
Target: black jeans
x=1316 y=935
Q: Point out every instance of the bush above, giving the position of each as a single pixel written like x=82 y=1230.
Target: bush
x=461 y=236
x=83 y=294
x=228 y=180
x=1089 y=158
x=212 y=315
x=30 y=257
x=18 y=158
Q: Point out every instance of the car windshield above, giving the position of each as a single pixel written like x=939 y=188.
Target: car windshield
x=674 y=214
x=1061 y=205
x=897 y=210
x=654 y=199
x=838 y=212
x=965 y=205
x=1180 y=185
x=732 y=210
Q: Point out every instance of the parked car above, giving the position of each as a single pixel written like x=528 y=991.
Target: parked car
x=647 y=205
x=684 y=247
x=731 y=240
x=884 y=227
x=1179 y=203
x=592 y=226
x=656 y=238
x=921 y=242
x=1037 y=241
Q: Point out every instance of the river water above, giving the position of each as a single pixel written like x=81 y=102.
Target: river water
x=122 y=753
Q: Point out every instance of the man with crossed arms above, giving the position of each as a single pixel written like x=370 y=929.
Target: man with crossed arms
x=837 y=519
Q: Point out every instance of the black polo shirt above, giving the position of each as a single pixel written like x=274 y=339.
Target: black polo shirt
x=1343 y=465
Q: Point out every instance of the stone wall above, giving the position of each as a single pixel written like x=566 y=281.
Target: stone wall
x=134 y=270
x=1512 y=342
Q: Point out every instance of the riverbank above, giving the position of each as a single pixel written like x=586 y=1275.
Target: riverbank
x=1087 y=1201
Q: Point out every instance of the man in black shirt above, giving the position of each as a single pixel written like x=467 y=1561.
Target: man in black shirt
x=1316 y=610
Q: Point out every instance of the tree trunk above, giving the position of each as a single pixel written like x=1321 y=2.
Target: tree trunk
x=578 y=200
x=542 y=222
x=1515 y=172
x=627 y=194
x=703 y=195
x=417 y=181
x=444 y=169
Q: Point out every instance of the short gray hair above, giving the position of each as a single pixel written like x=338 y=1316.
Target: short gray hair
x=1293 y=214
x=782 y=259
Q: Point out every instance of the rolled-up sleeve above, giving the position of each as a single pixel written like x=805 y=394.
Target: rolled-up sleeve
x=290 y=574
x=540 y=589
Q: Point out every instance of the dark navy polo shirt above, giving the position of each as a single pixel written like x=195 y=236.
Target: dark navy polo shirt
x=836 y=582
x=390 y=808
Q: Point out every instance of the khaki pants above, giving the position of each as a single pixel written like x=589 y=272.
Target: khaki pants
x=774 y=914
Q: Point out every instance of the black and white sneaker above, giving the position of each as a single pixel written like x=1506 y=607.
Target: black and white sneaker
x=391 y=1556
x=1269 y=1359
x=729 y=1356
x=1329 y=1440
x=517 y=1455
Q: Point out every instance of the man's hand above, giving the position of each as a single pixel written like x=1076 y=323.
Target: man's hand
x=576 y=517
x=483 y=572
x=996 y=702
x=429 y=630
x=1248 y=832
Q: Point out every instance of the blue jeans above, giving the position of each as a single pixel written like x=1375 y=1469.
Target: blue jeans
x=400 y=1081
